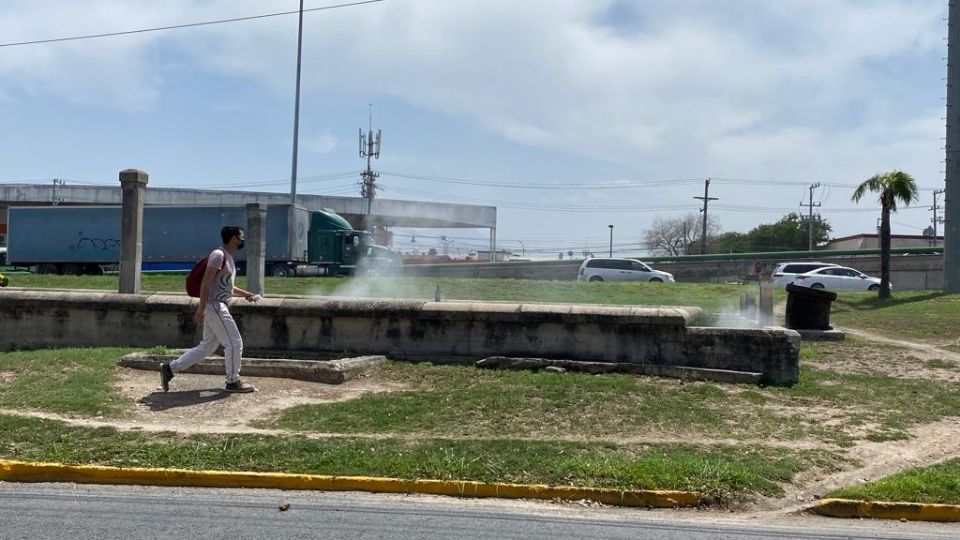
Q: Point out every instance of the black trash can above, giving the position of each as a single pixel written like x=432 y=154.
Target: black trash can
x=808 y=309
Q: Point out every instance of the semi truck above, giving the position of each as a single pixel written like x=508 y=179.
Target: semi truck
x=86 y=240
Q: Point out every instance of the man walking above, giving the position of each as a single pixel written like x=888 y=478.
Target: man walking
x=213 y=313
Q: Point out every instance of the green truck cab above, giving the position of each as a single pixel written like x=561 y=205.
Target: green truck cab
x=335 y=247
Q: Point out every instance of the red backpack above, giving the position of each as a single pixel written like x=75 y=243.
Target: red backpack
x=195 y=277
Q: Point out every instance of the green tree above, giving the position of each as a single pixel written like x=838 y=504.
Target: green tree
x=789 y=233
x=893 y=186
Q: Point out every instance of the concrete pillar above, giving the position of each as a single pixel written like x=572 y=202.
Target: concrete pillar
x=256 y=234
x=766 y=300
x=4 y=219
x=493 y=244
x=133 y=182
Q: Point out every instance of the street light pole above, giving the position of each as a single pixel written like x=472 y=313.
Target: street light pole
x=611 y=240
x=523 y=249
x=296 y=113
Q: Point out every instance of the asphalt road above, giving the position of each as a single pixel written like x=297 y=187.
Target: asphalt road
x=38 y=511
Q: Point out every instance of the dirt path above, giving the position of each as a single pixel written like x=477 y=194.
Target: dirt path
x=924 y=351
x=197 y=405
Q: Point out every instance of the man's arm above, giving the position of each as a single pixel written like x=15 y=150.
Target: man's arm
x=249 y=296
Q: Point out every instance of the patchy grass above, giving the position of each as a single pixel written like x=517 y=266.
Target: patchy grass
x=916 y=315
x=711 y=297
x=939 y=363
x=68 y=381
x=721 y=471
x=937 y=484
x=834 y=407
x=467 y=402
x=829 y=406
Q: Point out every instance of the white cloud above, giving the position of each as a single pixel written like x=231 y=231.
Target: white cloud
x=323 y=143
x=693 y=87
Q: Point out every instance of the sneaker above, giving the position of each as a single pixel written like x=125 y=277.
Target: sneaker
x=240 y=387
x=165 y=375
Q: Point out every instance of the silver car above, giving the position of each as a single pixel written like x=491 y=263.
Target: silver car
x=610 y=269
x=840 y=278
x=787 y=272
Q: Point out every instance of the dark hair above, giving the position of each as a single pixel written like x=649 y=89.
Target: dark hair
x=229 y=232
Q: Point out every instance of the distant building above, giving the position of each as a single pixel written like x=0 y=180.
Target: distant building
x=872 y=241
x=484 y=255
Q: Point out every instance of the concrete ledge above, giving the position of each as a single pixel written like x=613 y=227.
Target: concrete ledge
x=675 y=372
x=406 y=330
x=887 y=510
x=324 y=371
x=18 y=471
x=821 y=335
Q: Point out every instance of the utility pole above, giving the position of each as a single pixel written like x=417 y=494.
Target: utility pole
x=936 y=215
x=370 y=149
x=810 y=217
x=706 y=200
x=611 y=241
x=296 y=113
x=951 y=203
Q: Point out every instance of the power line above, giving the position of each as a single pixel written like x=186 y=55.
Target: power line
x=631 y=184
x=186 y=25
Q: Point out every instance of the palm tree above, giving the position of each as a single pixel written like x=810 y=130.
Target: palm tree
x=893 y=186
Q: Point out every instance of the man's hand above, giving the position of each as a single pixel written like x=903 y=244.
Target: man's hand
x=253 y=298
x=198 y=316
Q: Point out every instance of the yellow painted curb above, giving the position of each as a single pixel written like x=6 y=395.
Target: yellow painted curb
x=887 y=510
x=19 y=471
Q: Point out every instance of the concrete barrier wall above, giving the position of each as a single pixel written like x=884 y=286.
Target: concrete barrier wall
x=405 y=330
x=910 y=272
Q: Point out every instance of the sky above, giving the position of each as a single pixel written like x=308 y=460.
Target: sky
x=568 y=115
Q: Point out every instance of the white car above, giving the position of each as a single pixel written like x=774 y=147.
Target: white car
x=609 y=269
x=838 y=278
x=787 y=272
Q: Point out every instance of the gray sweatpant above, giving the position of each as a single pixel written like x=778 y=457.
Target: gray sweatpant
x=219 y=328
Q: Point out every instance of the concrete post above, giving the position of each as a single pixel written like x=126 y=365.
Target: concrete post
x=766 y=300
x=133 y=182
x=4 y=219
x=256 y=246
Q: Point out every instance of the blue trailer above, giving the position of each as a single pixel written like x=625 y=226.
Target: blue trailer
x=86 y=239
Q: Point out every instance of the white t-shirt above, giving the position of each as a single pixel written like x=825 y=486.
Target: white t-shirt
x=221 y=290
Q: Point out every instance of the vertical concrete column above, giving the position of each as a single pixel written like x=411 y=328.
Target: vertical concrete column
x=256 y=246
x=493 y=244
x=4 y=219
x=766 y=300
x=133 y=182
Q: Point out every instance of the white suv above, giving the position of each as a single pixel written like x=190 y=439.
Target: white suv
x=607 y=269
x=786 y=273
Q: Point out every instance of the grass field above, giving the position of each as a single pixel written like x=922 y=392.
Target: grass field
x=711 y=297
x=937 y=484
x=731 y=441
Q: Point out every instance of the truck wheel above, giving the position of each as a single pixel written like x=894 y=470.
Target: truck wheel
x=71 y=269
x=595 y=278
x=873 y=288
x=279 y=271
x=47 y=268
x=817 y=286
x=656 y=280
x=93 y=270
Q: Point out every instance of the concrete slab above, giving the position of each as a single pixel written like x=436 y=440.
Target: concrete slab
x=821 y=335
x=325 y=371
